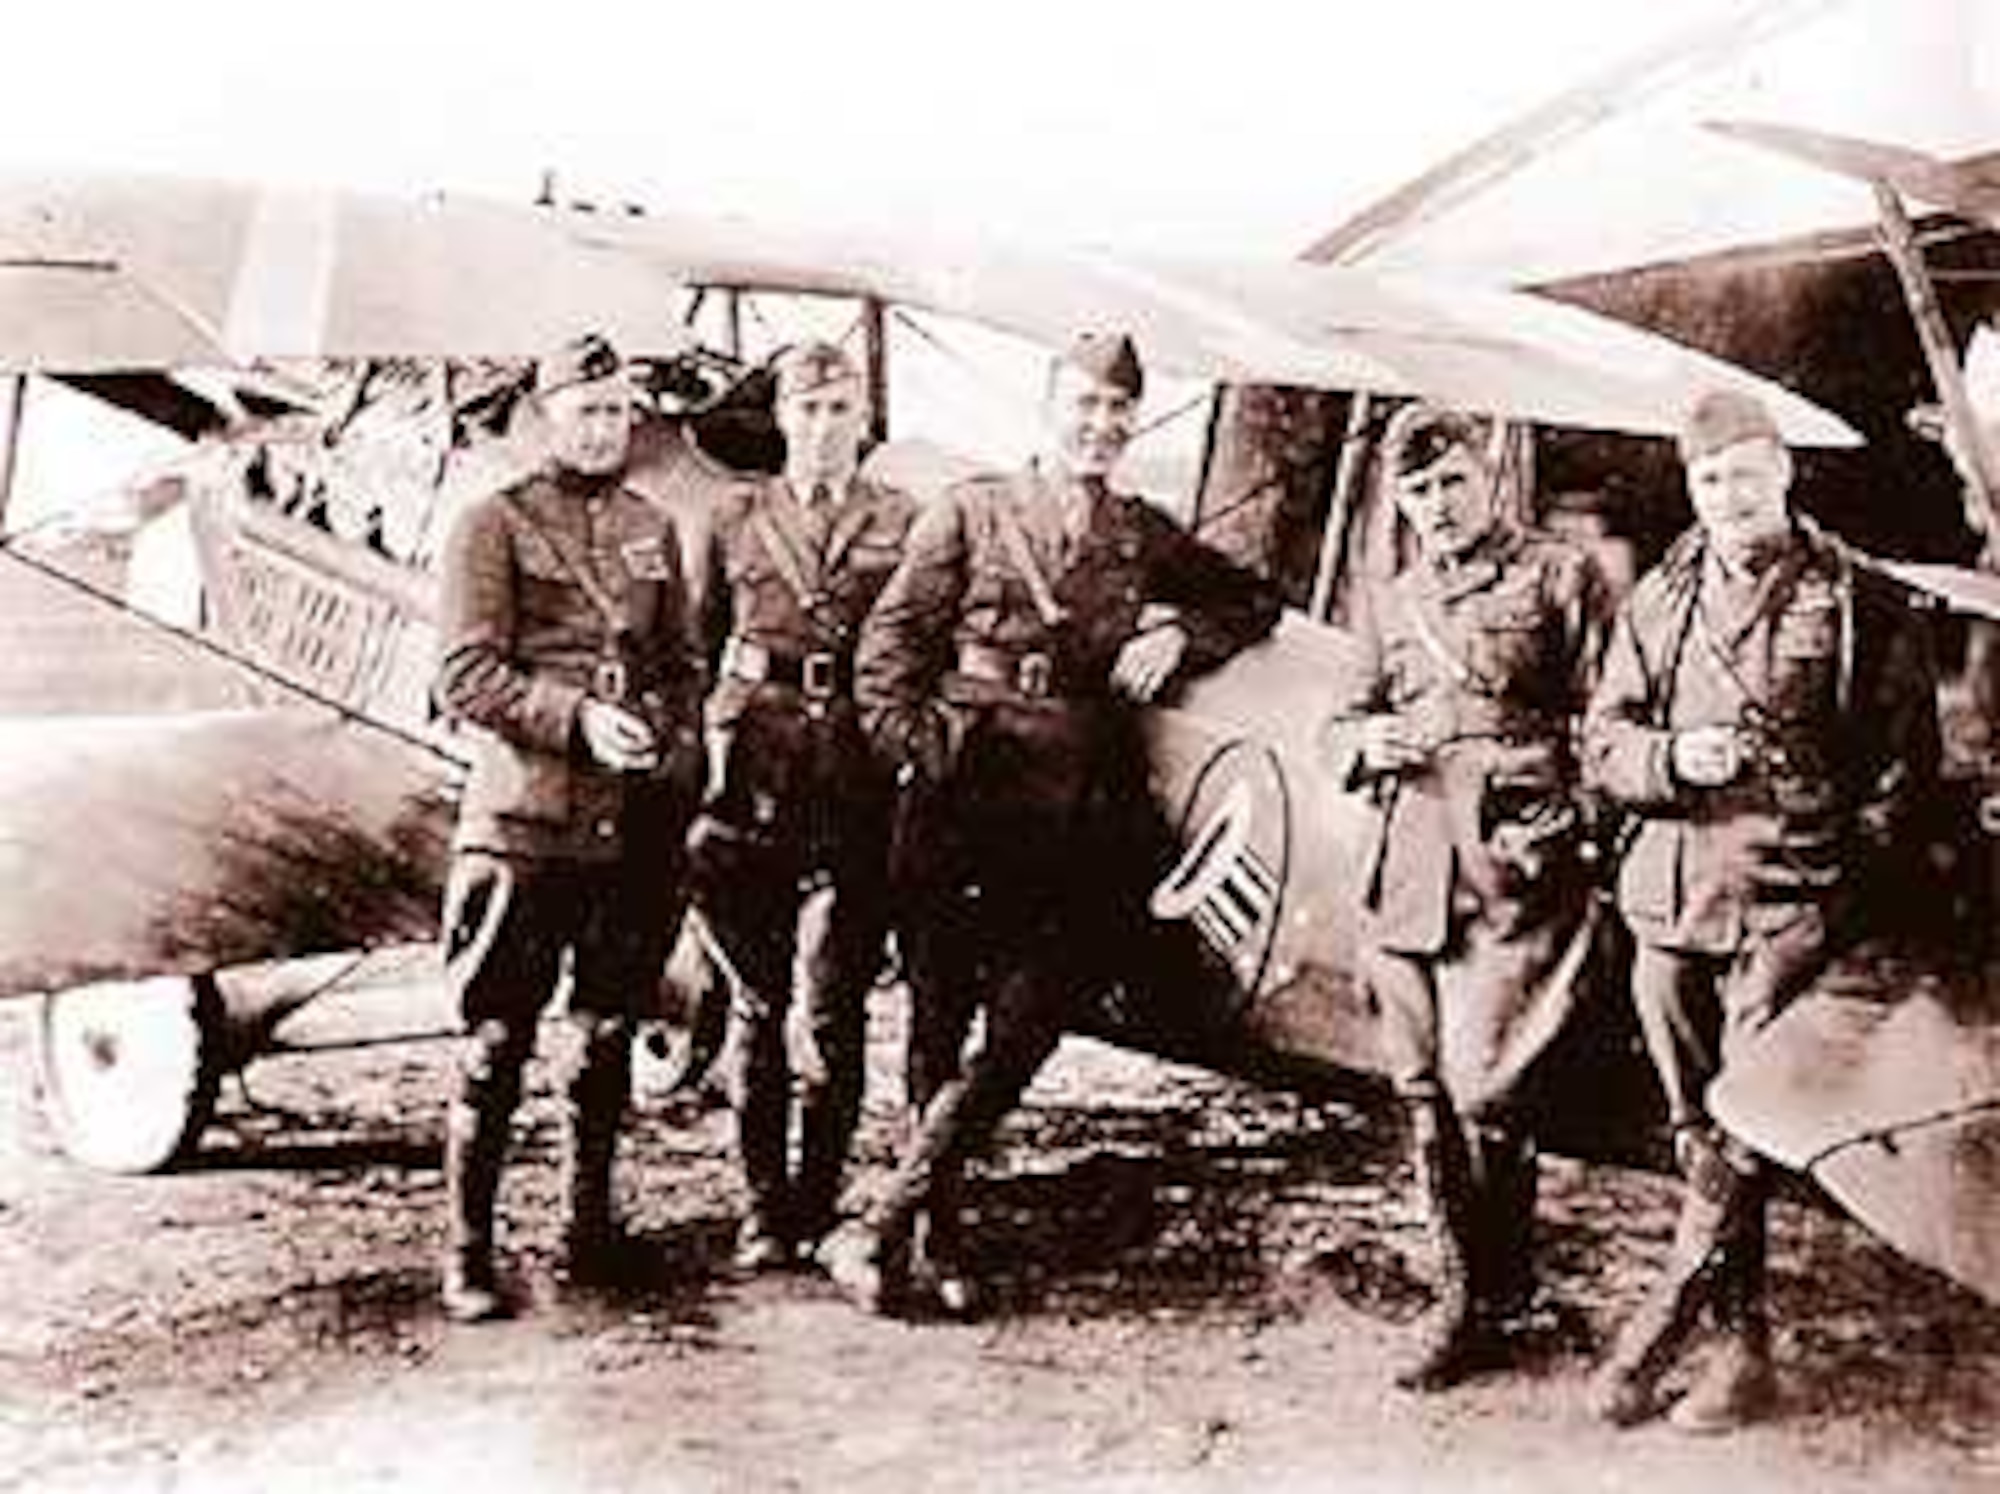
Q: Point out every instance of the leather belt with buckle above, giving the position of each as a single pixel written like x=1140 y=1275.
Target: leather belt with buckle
x=1031 y=674
x=819 y=675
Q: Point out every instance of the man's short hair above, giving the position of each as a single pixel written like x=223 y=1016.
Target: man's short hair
x=807 y=366
x=1111 y=357
x=1421 y=434
x=1720 y=419
x=581 y=360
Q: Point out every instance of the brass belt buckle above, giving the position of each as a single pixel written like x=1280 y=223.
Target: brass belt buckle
x=816 y=675
x=1034 y=674
x=611 y=681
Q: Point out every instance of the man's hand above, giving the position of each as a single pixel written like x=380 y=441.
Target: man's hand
x=617 y=738
x=1707 y=756
x=1389 y=745
x=1148 y=660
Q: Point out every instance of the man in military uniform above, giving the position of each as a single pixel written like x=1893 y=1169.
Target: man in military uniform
x=570 y=659
x=1477 y=659
x=1767 y=709
x=799 y=800
x=999 y=668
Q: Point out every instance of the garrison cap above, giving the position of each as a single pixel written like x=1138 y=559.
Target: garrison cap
x=1110 y=356
x=1721 y=418
x=581 y=360
x=1421 y=434
x=807 y=366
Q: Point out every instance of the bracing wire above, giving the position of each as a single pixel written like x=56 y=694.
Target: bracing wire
x=206 y=644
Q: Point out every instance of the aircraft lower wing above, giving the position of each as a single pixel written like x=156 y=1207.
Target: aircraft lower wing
x=1891 y=1100
x=139 y=845
x=1976 y=593
x=1883 y=1084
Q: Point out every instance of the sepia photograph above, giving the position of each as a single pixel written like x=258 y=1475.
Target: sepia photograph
x=1066 y=749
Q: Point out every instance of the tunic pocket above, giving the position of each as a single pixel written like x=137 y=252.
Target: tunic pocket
x=516 y=783
x=1806 y=630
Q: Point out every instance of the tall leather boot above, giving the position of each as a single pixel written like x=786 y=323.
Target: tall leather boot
x=594 y=1110
x=938 y=1265
x=1625 y=1390
x=477 y=1126
x=1736 y=1385
x=869 y=1258
x=831 y=1080
x=826 y=1131
x=763 y=1125
x=1453 y=1337
x=1504 y=1185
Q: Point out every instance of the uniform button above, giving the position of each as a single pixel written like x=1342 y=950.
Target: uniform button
x=606 y=829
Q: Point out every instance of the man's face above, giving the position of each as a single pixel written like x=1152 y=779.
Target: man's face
x=1741 y=495
x=1449 y=504
x=823 y=428
x=590 y=425
x=1090 y=422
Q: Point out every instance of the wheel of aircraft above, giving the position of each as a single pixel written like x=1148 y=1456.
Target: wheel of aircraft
x=128 y=1070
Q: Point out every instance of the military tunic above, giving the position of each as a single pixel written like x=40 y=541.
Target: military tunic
x=985 y=669
x=556 y=589
x=798 y=799
x=1737 y=894
x=1472 y=869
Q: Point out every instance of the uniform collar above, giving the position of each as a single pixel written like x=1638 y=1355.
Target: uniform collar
x=1478 y=568
x=574 y=484
x=1073 y=498
x=838 y=492
x=1736 y=600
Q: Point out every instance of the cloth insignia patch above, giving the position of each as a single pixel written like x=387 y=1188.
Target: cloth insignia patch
x=646 y=559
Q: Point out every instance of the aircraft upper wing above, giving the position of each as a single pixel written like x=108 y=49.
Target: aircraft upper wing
x=1245 y=321
x=1969 y=188
x=1624 y=171
x=266 y=273
x=119 y=273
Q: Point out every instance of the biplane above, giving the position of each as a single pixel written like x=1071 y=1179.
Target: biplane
x=157 y=865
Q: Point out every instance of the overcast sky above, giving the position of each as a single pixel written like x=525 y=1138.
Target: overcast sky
x=1243 y=128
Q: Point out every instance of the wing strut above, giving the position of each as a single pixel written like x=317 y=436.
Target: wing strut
x=12 y=406
x=1614 y=92
x=1890 y=172
x=875 y=337
x=1982 y=483
x=1340 y=514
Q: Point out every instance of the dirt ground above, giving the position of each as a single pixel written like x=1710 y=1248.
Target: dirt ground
x=1198 y=1287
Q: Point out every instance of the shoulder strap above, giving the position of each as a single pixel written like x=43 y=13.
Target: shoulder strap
x=1007 y=518
x=1848 y=564
x=1664 y=677
x=591 y=584
x=864 y=503
x=1457 y=669
x=780 y=550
